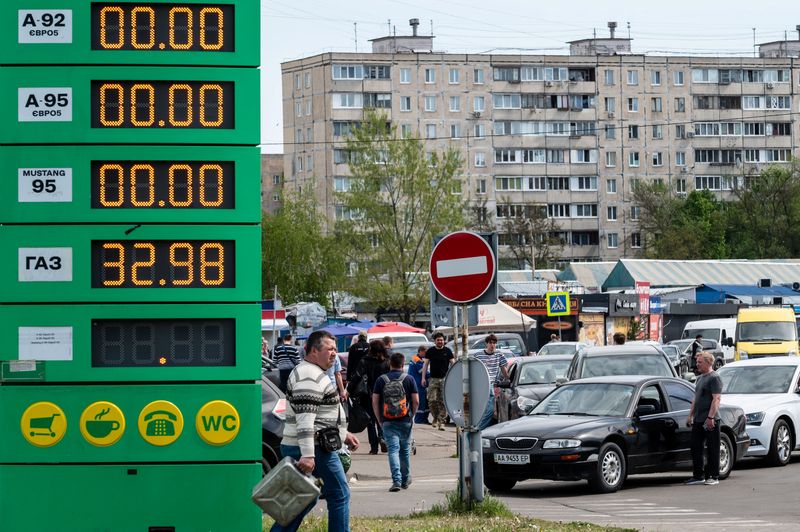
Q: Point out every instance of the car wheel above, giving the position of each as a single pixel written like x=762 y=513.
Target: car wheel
x=499 y=484
x=781 y=445
x=717 y=364
x=727 y=456
x=269 y=459
x=610 y=473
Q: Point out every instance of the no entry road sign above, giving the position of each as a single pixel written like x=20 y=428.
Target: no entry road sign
x=462 y=267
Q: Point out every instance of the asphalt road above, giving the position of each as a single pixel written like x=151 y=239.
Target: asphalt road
x=753 y=498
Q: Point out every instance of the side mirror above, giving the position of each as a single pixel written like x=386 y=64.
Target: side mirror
x=645 y=410
x=727 y=342
x=691 y=377
x=560 y=381
x=528 y=409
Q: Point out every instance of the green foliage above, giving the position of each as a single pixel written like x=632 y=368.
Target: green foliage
x=297 y=258
x=398 y=200
x=454 y=505
x=530 y=238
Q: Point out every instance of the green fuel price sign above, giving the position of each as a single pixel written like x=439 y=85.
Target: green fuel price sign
x=193 y=32
x=117 y=263
x=129 y=105
x=126 y=184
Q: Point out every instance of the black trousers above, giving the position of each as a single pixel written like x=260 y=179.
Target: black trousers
x=710 y=438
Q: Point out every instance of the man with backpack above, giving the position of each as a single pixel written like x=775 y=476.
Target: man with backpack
x=395 y=400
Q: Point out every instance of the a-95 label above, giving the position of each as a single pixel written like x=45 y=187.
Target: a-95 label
x=45 y=104
x=45 y=264
x=44 y=185
x=38 y=26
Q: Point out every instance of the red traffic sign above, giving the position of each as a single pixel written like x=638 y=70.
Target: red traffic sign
x=462 y=266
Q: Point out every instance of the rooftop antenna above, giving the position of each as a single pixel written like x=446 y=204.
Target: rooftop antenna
x=754 y=42
x=612 y=27
x=431 y=27
x=355 y=34
x=798 y=31
x=629 y=29
x=389 y=25
x=414 y=22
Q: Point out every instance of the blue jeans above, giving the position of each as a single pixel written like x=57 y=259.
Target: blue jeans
x=486 y=418
x=328 y=467
x=398 y=441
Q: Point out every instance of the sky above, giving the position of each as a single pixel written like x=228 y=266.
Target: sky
x=292 y=29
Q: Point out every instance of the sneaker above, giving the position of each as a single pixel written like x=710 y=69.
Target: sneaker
x=711 y=482
x=441 y=427
x=395 y=487
x=383 y=446
x=373 y=451
x=694 y=481
x=406 y=483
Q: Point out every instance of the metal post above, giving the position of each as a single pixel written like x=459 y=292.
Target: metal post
x=464 y=457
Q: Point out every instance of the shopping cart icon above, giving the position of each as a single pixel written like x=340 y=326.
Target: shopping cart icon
x=45 y=423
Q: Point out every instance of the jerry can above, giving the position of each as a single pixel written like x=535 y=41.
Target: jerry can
x=285 y=492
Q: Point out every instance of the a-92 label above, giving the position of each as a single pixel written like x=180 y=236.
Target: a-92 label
x=39 y=26
x=45 y=104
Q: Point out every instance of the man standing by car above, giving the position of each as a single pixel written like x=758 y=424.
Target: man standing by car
x=395 y=401
x=312 y=404
x=704 y=420
x=286 y=357
x=495 y=363
x=697 y=346
x=439 y=358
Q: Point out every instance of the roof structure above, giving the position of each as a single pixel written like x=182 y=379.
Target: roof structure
x=665 y=273
x=750 y=294
x=590 y=275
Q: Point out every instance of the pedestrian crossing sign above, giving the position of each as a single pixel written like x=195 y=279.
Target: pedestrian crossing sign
x=557 y=303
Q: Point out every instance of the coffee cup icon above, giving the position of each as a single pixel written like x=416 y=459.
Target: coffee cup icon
x=100 y=428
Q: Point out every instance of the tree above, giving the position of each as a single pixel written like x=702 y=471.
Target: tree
x=297 y=258
x=399 y=198
x=529 y=234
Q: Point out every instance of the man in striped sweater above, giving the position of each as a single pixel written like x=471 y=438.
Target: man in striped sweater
x=286 y=357
x=313 y=404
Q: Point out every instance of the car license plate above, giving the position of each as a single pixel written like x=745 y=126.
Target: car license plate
x=512 y=458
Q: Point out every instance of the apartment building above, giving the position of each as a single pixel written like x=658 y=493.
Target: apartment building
x=572 y=135
x=271 y=181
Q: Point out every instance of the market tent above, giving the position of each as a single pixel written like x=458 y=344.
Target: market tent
x=362 y=325
x=393 y=326
x=337 y=329
x=497 y=318
x=280 y=325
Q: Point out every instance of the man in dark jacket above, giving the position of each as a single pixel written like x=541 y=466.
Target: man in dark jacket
x=356 y=352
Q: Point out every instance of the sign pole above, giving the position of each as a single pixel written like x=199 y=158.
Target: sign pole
x=466 y=477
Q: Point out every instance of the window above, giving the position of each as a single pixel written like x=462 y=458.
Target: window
x=480 y=186
x=455 y=103
x=633 y=159
x=505 y=155
x=430 y=131
x=348 y=72
x=705 y=75
x=558 y=210
x=341 y=184
x=348 y=100
x=633 y=132
x=712 y=182
x=611 y=131
x=537 y=183
x=658 y=131
x=455 y=76
x=276 y=197
x=635 y=210
x=506 y=101
x=298 y=136
x=586 y=210
x=276 y=180
x=298 y=108
x=430 y=75
x=585 y=183
x=430 y=104
x=531 y=73
x=307 y=78
x=633 y=77
x=612 y=239
x=680 y=158
x=680 y=131
x=610 y=104
x=678 y=77
x=583 y=156
x=477 y=75
x=680 y=105
x=405 y=130
x=611 y=186
x=657 y=160
x=608 y=76
x=297 y=84
x=308 y=107
x=480 y=159
x=376 y=72
x=455 y=131
x=655 y=105
x=480 y=131
x=558 y=183
x=342 y=129
x=611 y=159
x=633 y=105
x=555 y=74
x=309 y=135
x=506 y=74
x=611 y=214
x=478 y=104
x=636 y=240
x=680 y=186
x=655 y=77
x=378 y=100
x=405 y=103
x=507 y=183
x=405 y=75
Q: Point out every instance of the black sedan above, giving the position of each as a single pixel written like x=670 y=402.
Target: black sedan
x=530 y=379
x=273 y=408
x=603 y=429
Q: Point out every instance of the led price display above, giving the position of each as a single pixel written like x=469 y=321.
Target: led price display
x=162 y=184
x=163 y=264
x=138 y=26
x=163 y=343
x=162 y=104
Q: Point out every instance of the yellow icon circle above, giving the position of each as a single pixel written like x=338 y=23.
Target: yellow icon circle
x=43 y=424
x=160 y=423
x=102 y=423
x=217 y=422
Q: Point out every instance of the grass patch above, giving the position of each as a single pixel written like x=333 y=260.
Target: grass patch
x=488 y=507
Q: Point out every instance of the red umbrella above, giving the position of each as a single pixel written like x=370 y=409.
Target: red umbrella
x=393 y=326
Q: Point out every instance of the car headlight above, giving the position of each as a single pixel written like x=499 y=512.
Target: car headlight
x=524 y=402
x=561 y=444
x=755 y=418
x=486 y=443
x=743 y=355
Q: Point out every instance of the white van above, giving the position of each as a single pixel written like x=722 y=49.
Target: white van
x=399 y=337
x=716 y=329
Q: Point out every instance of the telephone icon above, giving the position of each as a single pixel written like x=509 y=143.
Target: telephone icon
x=160 y=423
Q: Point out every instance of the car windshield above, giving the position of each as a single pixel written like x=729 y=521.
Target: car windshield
x=705 y=333
x=558 y=348
x=681 y=344
x=671 y=351
x=543 y=371
x=764 y=331
x=590 y=399
x=756 y=379
x=634 y=364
